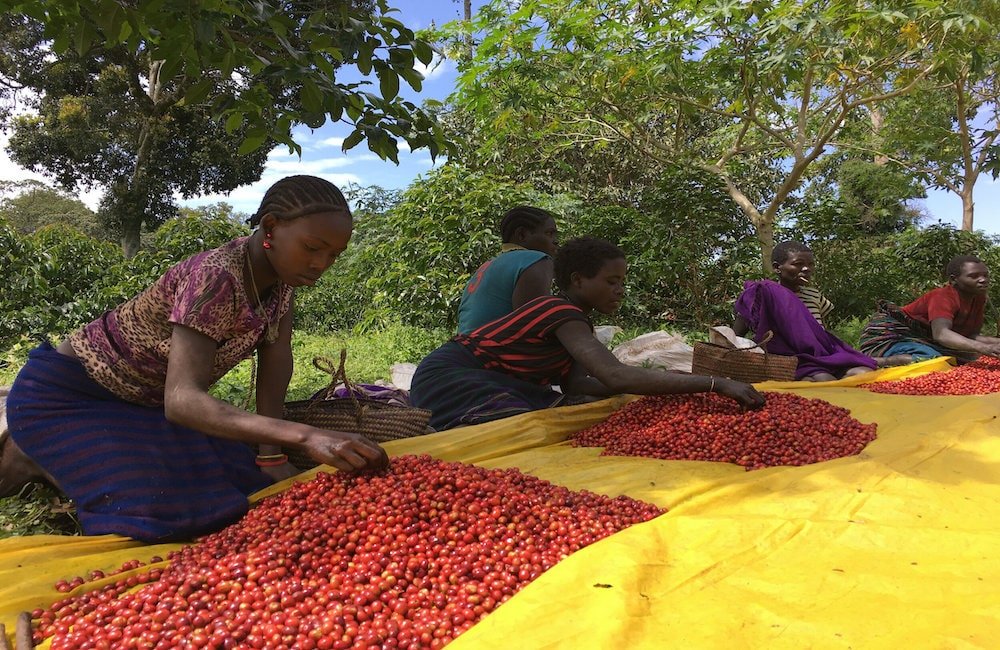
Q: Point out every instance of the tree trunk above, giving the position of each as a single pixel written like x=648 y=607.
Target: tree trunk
x=967 y=207
x=765 y=235
x=763 y=223
x=130 y=237
x=466 y=55
x=875 y=112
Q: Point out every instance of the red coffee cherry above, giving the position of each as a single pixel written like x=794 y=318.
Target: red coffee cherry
x=788 y=430
x=980 y=377
x=406 y=558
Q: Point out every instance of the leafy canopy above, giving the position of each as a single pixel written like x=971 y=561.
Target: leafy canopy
x=283 y=57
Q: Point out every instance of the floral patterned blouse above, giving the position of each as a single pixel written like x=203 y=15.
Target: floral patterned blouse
x=126 y=349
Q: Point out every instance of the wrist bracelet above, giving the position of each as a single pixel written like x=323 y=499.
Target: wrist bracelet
x=271 y=460
x=711 y=388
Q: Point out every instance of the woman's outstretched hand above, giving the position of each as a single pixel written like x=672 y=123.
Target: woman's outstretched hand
x=990 y=350
x=347 y=452
x=745 y=394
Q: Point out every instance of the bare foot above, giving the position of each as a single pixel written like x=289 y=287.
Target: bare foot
x=17 y=470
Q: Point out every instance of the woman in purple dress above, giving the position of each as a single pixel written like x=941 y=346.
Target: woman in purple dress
x=119 y=415
x=791 y=310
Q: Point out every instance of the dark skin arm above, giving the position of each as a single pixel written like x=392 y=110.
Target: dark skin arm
x=615 y=377
x=535 y=281
x=943 y=333
x=274 y=372
x=188 y=403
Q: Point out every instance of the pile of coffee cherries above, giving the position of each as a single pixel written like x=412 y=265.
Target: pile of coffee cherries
x=980 y=377
x=406 y=558
x=788 y=430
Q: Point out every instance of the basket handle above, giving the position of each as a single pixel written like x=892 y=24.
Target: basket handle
x=338 y=375
x=762 y=344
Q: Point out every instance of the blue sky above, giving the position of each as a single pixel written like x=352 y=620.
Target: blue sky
x=321 y=154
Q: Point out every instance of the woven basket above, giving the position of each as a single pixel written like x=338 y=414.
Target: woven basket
x=741 y=364
x=375 y=420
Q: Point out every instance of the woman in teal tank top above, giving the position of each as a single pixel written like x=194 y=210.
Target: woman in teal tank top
x=521 y=272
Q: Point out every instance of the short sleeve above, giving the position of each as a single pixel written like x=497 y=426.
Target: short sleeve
x=942 y=304
x=206 y=301
x=557 y=315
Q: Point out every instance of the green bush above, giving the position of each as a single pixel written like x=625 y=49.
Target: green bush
x=173 y=242
x=688 y=251
x=412 y=261
x=855 y=274
x=849 y=330
x=58 y=279
x=54 y=279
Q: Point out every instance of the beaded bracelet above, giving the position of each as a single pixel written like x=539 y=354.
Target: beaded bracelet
x=271 y=460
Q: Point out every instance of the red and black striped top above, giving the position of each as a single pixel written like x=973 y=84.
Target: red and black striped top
x=524 y=344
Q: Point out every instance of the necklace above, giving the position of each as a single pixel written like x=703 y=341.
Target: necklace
x=271 y=333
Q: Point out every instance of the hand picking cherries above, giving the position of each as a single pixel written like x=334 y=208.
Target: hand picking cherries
x=980 y=377
x=789 y=430
x=406 y=558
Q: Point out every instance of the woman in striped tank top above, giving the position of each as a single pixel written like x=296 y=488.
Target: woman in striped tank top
x=510 y=365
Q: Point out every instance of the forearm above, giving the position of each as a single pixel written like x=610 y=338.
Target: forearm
x=200 y=411
x=646 y=381
x=955 y=341
x=586 y=386
x=272 y=389
x=740 y=325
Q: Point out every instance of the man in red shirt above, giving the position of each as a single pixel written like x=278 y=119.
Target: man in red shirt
x=942 y=322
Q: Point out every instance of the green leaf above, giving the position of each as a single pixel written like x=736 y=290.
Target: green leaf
x=170 y=67
x=84 y=37
x=204 y=30
x=234 y=122
x=312 y=98
x=388 y=81
x=352 y=140
x=253 y=141
x=422 y=51
x=198 y=92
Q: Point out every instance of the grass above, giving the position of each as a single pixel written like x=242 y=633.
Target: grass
x=371 y=355
x=37 y=510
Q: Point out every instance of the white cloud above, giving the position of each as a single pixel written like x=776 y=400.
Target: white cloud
x=247 y=197
x=330 y=142
x=314 y=167
x=11 y=171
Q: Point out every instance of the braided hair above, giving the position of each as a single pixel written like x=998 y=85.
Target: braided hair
x=955 y=264
x=786 y=249
x=583 y=255
x=296 y=196
x=522 y=216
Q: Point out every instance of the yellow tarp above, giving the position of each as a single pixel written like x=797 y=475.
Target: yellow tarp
x=892 y=548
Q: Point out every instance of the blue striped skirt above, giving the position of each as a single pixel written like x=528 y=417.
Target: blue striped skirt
x=452 y=383
x=128 y=470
